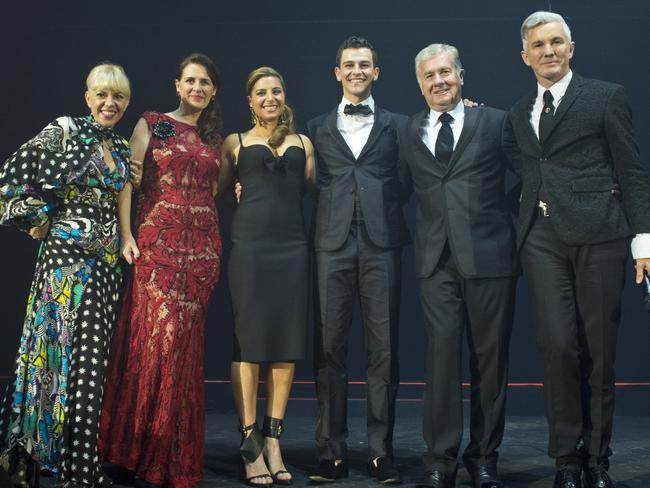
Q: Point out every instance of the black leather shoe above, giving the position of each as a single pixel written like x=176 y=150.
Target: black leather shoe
x=567 y=478
x=597 y=477
x=485 y=476
x=385 y=472
x=328 y=471
x=437 y=479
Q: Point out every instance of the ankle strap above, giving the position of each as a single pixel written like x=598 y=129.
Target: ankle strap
x=272 y=427
x=252 y=444
x=245 y=429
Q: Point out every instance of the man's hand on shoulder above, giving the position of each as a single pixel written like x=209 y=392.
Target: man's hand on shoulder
x=471 y=103
x=238 y=189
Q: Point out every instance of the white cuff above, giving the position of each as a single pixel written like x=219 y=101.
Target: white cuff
x=641 y=246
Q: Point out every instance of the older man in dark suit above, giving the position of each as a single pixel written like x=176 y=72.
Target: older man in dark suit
x=359 y=231
x=465 y=263
x=585 y=193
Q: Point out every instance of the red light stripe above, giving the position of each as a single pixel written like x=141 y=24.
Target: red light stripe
x=619 y=384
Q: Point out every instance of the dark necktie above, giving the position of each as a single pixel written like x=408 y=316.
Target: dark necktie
x=445 y=140
x=546 y=117
x=350 y=109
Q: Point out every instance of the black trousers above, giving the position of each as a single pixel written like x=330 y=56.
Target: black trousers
x=575 y=294
x=360 y=269
x=483 y=307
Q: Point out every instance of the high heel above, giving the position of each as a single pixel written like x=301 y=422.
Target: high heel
x=250 y=449
x=273 y=429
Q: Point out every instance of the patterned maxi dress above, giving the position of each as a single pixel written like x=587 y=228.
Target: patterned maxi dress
x=52 y=409
x=153 y=415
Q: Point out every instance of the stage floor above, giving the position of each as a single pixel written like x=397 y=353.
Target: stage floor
x=523 y=461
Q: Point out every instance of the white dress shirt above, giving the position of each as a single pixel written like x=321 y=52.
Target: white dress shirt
x=641 y=242
x=557 y=90
x=431 y=126
x=355 y=129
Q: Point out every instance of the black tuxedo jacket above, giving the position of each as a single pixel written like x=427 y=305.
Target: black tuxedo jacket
x=587 y=155
x=463 y=202
x=373 y=174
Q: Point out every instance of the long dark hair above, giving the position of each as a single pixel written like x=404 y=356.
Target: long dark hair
x=285 y=122
x=209 y=123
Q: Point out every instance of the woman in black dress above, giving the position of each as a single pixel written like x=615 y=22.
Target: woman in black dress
x=268 y=268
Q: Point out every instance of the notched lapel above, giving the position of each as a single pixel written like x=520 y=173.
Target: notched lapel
x=523 y=117
x=472 y=118
x=377 y=129
x=414 y=131
x=336 y=135
x=418 y=144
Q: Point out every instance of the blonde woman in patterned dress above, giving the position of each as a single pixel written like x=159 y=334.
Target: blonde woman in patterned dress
x=63 y=187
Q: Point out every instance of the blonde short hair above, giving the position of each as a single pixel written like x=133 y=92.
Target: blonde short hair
x=109 y=76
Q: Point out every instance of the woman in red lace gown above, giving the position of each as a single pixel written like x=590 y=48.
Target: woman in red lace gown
x=152 y=421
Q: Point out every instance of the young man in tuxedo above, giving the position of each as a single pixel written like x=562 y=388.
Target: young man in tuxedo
x=359 y=232
x=585 y=193
x=465 y=262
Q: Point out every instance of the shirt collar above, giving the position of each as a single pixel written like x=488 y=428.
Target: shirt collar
x=457 y=112
x=557 y=89
x=368 y=101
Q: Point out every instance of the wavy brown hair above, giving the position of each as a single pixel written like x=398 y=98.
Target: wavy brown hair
x=285 y=122
x=209 y=123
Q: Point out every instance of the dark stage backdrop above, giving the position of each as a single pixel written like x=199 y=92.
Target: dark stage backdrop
x=48 y=48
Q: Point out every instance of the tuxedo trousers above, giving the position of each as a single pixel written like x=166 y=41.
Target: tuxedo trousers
x=575 y=294
x=483 y=308
x=358 y=269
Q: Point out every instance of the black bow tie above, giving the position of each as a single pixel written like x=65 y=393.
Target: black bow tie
x=350 y=109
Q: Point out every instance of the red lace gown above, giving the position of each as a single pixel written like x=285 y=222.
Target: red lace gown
x=152 y=420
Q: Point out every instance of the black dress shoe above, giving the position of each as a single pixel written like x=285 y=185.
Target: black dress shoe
x=385 y=472
x=567 y=478
x=328 y=471
x=437 y=479
x=485 y=476
x=597 y=477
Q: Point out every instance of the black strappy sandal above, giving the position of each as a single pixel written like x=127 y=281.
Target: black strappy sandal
x=273 y=428
x=250 y=449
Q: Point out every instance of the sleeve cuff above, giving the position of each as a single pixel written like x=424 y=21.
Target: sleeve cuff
x=641 y=246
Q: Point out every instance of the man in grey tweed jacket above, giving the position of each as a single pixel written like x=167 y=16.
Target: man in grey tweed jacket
x=585 y=192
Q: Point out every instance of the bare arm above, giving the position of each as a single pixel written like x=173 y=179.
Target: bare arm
x=310 y=163
x=229 y=153
x=128 y=247
x=139 y=143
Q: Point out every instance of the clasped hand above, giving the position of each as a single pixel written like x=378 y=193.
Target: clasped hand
x=130 y=250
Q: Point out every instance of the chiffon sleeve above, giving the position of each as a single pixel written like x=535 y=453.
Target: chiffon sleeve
x=28 y=177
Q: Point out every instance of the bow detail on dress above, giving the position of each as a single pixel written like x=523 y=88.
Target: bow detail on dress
x=275 y=163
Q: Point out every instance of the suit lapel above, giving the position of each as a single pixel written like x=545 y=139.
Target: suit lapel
x=472 y=117
x=523 y=120
x=572 y=92
x=336 y=135
x=377 y=128
x=416 y=139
